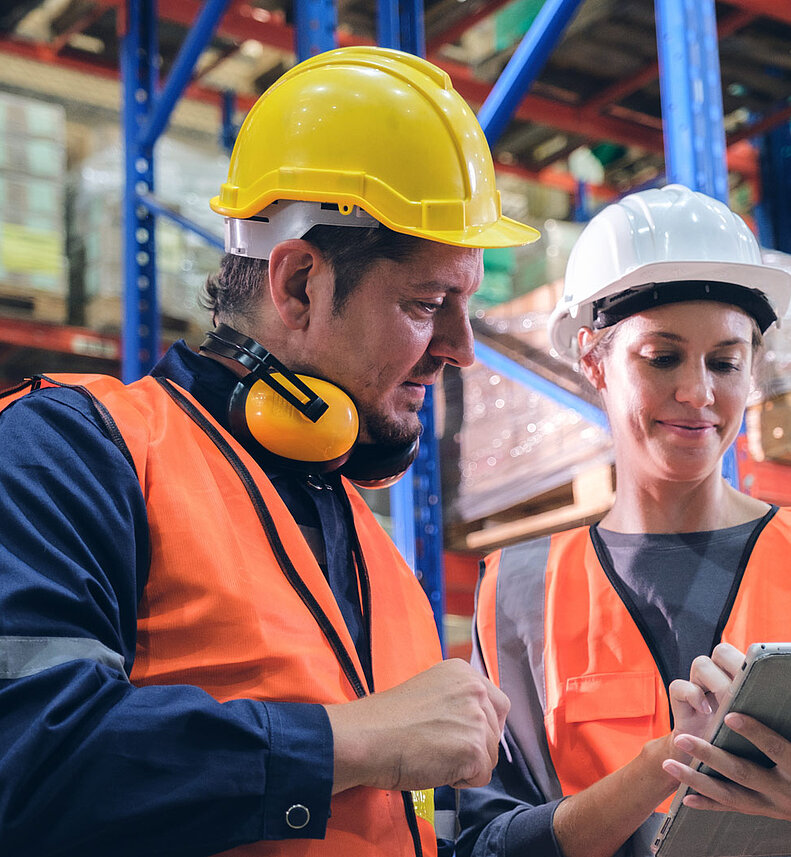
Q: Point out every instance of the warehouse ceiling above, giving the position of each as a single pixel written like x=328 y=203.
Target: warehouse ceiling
x=594 y=111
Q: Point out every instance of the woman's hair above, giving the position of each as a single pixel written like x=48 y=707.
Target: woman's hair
x=351 y=251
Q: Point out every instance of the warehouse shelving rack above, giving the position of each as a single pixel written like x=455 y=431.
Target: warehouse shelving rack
x=694 y=145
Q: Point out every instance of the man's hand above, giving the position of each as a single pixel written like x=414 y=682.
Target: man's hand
x=441 y=727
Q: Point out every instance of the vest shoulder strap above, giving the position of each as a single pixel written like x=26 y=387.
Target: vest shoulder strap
x=92 y=387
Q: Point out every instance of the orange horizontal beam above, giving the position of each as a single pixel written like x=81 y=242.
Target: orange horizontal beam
x=565 y=117
x=454 y=31
x=57 y=337
x=780 y=10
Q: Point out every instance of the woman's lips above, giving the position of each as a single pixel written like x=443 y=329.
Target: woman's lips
x=688 y=428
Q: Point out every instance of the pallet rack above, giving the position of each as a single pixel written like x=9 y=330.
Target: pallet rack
x=694 y=143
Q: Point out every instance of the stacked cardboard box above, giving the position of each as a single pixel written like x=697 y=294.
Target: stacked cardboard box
x=185 y=179
x=33 y=275
x=768 y=419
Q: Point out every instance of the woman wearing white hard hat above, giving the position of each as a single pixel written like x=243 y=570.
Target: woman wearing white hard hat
x=614 y=642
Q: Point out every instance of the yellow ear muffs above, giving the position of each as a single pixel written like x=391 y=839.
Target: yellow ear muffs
x=305 y=423
x=259 y=412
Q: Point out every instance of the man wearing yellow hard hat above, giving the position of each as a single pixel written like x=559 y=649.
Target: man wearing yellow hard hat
x=208 y=644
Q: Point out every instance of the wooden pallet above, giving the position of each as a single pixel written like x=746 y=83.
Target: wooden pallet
x=33 y=304
x=105 y=313
x=582 y=501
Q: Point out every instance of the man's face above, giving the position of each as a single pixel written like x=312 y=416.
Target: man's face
x=401 y=323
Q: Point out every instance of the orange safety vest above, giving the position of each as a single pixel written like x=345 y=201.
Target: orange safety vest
x=237 y=605
x=600 y=691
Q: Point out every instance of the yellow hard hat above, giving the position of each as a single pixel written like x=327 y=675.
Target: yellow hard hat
x=375 y=128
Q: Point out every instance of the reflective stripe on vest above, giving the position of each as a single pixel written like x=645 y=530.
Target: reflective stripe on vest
x=219 y=612
x=510 y=610
x=554 y=633
x=24 y=656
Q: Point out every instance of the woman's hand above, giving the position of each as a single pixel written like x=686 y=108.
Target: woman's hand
x=749 y=788
x=695 y=702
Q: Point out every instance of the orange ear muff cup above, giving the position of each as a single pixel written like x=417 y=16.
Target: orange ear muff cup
x=260 y=413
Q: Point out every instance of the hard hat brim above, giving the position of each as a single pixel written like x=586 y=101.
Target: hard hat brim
x=504 y=232
x=774 y=283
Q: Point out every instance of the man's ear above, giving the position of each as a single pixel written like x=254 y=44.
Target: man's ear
x=592 y=367
x=292 y=264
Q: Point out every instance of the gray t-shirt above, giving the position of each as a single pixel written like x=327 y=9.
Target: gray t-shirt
x=680 y=584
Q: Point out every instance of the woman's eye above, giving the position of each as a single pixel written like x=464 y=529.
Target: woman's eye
x=662 y=361
x=726 y=366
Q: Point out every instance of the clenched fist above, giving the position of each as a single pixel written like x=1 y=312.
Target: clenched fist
x=441 y=727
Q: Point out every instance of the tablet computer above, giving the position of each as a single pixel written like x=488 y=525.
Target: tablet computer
x=763 y=690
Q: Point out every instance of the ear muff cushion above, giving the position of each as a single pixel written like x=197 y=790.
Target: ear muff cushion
x=259 y=413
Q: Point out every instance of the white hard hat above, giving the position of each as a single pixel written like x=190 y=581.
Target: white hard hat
x=661 y=246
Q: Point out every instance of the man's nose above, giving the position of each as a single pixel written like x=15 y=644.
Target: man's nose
x=453 y=340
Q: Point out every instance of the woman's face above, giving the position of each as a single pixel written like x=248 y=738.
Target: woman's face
x=674 y=382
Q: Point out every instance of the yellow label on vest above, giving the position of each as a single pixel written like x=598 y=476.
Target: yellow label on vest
x=424 y=804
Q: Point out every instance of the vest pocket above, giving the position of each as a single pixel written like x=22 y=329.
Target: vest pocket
x=607 y=696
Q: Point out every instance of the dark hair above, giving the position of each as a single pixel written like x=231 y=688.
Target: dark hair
x=350 y=250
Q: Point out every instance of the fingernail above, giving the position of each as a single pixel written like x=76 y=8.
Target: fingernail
x=735 y=720
x=705 y=707
x=683 y=743
x=671 y=767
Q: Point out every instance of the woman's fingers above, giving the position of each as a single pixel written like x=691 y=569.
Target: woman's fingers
x=747 y=787
x=691 y=693
x=765 y=739
x=728 y=658
x=710 y=676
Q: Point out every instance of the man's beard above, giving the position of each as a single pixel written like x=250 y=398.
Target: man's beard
x=390 y=432
x=387 y=432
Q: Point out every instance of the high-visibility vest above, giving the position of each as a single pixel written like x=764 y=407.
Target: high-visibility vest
x=586 y=693
x=236 y=604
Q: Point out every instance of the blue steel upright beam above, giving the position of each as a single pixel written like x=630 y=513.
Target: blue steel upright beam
x=388 y=20
x=775 y=220
x=415 y=501
x=400 y=25
x=316 y=23
x=691 y=92
x=140 y=335
x=146 y=113
x=229 y=129
x=692 y=116
x=525 y=66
